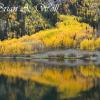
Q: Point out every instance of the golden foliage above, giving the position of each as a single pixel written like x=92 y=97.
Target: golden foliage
x=87 y=45
x=97 y=43
x=68 y=33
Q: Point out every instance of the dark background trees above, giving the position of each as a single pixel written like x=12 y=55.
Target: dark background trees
x=28 y=20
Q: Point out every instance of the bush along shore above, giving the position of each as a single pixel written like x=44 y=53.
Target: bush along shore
x=69 y=33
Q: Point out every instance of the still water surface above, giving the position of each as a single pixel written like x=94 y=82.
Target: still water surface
x=33 y=80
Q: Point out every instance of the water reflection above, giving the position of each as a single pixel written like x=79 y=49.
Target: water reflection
x=18 y=89
x=30 y=80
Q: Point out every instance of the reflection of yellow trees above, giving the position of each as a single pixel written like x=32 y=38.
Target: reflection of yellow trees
x=90 y=71
x=69 y=82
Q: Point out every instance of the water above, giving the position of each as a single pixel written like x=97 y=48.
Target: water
x=49 y=80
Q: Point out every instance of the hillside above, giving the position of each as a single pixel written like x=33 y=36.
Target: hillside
x=35 y=15
x=68 y=33
x=38 y=26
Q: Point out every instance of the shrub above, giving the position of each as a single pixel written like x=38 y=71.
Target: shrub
x=87 y=45
x=97 y=43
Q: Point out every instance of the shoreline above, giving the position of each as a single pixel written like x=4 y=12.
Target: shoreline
x=57 y=54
